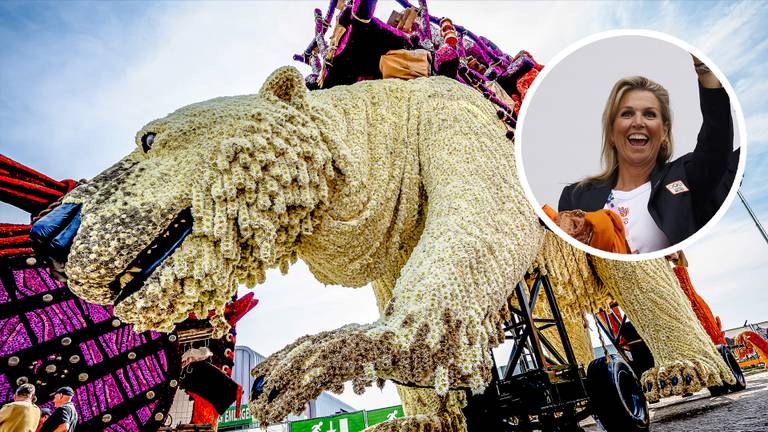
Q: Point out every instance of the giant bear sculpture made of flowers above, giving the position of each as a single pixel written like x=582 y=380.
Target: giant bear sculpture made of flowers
x=408 y=185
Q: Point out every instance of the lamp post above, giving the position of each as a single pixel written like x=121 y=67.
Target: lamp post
x=753 y=215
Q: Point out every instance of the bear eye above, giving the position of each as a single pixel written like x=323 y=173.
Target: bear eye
x=147 y=140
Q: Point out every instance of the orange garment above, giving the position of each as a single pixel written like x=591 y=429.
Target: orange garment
x=607 y=230
x=710 y=322
x=549 y=211
x=608 y=234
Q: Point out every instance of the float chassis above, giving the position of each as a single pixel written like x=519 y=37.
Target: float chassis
x=542 y=386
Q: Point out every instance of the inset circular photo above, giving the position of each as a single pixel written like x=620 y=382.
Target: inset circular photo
x=631 y=144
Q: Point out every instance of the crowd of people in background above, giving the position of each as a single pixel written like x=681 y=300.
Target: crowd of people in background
x=22 y=415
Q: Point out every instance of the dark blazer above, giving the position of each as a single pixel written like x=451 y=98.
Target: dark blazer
x=704 y=175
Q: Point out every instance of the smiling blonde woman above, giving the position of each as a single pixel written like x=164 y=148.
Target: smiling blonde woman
x=660 y=202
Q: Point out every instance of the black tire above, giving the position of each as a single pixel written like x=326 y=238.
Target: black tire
x=616 y=398
x=733 y=365
x=741 y=381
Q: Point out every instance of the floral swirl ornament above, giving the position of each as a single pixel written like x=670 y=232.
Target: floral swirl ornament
x=410 y=185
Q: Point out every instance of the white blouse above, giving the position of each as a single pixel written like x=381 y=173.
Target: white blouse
x=643 y=235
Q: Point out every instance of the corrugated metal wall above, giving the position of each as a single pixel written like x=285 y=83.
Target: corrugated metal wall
x=245 y=360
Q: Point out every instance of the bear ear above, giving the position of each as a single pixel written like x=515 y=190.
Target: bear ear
x=287 y=85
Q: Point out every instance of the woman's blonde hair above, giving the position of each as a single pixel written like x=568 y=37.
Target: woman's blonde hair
x=610 y=160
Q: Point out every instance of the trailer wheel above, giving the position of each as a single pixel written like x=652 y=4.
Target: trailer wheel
x=733 y=365
x=616 y=398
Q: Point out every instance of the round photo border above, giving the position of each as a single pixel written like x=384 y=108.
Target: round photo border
x=740 y=123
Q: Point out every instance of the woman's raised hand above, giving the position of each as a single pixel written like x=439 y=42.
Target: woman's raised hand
x=706 y=77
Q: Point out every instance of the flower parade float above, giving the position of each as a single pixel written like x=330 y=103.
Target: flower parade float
x=409 y=185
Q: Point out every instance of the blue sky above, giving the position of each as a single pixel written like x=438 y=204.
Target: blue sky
x=78 y=79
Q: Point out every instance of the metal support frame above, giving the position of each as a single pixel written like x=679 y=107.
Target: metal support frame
x=527 y=330
x=542 y=388
x=615 y=338
x=612 y=338
x=628 y=343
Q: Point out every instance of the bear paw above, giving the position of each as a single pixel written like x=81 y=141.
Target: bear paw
x=368 y=354
x=298 y=373
x=679 y=378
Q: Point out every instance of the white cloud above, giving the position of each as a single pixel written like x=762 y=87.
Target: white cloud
x=727 y=267
x=757 y=128
x=752 y=88
x=729 y=36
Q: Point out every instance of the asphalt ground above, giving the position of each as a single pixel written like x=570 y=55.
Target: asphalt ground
x=745 y=411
